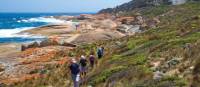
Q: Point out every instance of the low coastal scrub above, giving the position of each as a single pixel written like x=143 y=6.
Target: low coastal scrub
x=172 y=48
x=103 y=76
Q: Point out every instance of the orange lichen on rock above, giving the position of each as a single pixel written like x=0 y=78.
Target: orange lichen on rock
x=125 y=20
x=28 y=52
x=43 y=58
x=63 y=61
x=32 y=60
x=21 y=79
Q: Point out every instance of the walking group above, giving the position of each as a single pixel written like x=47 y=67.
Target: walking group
x=79 y=68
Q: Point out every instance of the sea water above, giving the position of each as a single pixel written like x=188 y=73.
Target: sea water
x=13 y=23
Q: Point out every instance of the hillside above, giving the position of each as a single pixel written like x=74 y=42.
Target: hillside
x=171 y=47
x=135 y=4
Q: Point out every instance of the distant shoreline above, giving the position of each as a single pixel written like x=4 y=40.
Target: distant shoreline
x=18 y=22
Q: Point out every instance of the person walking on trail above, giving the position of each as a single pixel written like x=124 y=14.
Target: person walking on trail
x=83 y=64
x=77 y=26
x=92 y=61
x=75 y=72
x=100 y=52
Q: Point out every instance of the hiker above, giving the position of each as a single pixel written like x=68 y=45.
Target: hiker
x=77 y=26
x=83 y=64
x=100 y=52
x=75 y=72
x=92 y=60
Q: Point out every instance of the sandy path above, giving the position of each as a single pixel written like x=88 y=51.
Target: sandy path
x=72 y=38
x=6 y=49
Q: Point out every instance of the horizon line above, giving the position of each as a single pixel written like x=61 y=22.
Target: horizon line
x=49 y=12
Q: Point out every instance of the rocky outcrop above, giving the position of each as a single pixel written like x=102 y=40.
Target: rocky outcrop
x=44 y=43
x=2 y=68
x=108 y=24
x=32 y=63
x=125 y=20
x=84 y=17
x=97 y=35
x=129 y=29
x=29 y=45
x=50 y=30
x=176 y=2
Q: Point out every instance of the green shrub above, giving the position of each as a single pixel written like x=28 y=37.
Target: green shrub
x=105 y=74
x=138 y=59
x=134 y=43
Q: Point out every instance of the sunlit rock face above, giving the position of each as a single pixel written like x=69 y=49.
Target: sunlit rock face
x=177 y=2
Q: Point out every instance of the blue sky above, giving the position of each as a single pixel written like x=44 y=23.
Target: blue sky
x=57 y=5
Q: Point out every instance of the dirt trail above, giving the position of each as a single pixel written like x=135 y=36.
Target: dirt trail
x=72 y=38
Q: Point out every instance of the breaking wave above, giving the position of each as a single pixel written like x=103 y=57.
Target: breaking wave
x=43 y=19
x=8 y=33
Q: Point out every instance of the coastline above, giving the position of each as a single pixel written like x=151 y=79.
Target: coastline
x=60 y=38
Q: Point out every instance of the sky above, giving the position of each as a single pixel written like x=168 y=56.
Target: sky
x=57 y=5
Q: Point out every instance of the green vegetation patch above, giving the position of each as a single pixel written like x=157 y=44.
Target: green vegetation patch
x=105 y=74
x=158 y=10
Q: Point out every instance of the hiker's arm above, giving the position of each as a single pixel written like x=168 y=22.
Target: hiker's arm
x=69 y=70
x=79 y=62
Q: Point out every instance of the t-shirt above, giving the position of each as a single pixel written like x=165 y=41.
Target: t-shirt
x=74 y=67
x=83 y=62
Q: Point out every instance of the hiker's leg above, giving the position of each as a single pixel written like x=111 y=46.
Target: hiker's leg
x=99 y=56
x=74 y=79
x=82 y=75
x=77 y=81
x=92 y=65
x=75 y=84
x=84 y=72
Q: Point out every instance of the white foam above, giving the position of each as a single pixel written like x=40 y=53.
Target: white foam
x=8 y=33
x=19 y=21
x=44 y=19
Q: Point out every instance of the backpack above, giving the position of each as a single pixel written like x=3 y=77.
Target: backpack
x=83 y=62
x=92 y=58
x=74 y=68
x=99 y=52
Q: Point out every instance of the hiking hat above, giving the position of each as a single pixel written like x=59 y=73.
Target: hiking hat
x=83 y=57
x=74 y=61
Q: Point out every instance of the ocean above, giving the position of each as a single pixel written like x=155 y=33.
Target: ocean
x=13 y=23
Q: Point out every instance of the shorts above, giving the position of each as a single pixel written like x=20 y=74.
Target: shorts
x=92 y=63
x=100 y=56
x=83 y=68
x=76 y=78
